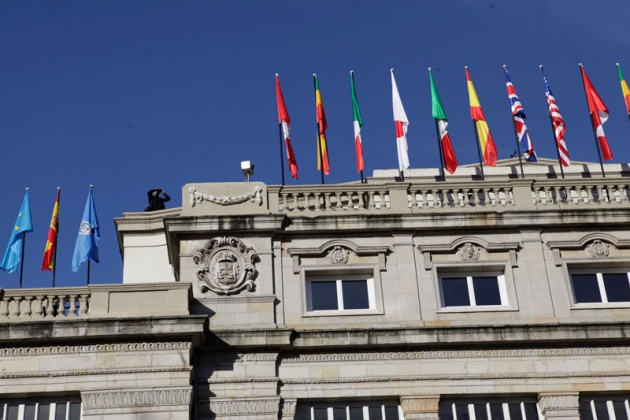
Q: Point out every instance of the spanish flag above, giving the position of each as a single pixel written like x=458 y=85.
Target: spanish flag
x=322 y=126
x=488 y=148
x=624 y=90
x=48 y=263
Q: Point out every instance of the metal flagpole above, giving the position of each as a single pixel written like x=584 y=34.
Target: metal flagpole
x=281 y=154
x=518 y=145
x=599 y=153
x=553 y=129
x=22 y=251
x=319 y=152
x=439 y=140
x=483 y=176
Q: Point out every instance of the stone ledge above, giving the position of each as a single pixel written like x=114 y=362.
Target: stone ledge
x=190 y=327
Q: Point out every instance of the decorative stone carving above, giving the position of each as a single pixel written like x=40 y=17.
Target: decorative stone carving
x=95 y=348
x=468 y=252
x=239 y=407
x=559 y=401
x=413 y=405
x=226 y=266
x=197 y=198
x=598 y=249
x=129 y=398
x=338 y=255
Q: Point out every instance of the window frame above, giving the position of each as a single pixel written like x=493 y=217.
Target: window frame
x=369 y=273
x=603 y=293
x=505 y=280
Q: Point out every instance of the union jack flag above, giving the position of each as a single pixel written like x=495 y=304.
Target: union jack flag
x=558 y=123
x=524 y=140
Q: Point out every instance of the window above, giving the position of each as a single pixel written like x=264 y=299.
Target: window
x=489 y=409
x=61 y=408
x=351 y=411
x=600 y=287
x=339 y=294
x=604 y=407
x=473 y=290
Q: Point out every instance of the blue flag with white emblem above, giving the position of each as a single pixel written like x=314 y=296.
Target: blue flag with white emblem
x=86 y=247
x=23 y=224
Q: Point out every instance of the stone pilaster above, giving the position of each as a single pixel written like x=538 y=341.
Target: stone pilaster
x=288 y=409
x=559 y=405
x=420 y=408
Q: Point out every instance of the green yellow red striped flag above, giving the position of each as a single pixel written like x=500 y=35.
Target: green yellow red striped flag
x=624 y=89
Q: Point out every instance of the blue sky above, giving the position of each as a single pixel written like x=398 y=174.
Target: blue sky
x=133 y=95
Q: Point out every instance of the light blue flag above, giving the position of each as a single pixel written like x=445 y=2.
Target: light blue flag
x=86 y=247
x=23 y=224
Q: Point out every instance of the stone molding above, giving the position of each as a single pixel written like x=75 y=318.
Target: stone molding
x=208 y=358
x=360 y=251
x=184 y=369
x=95 y=348
x=469 y=242
x=418 y=405
x=197 y=198
x=472 y=377
x=132 y=398
x=448 y=354
x=559 y=401
x=218 y=381
x=288 y=408
x=242 y=407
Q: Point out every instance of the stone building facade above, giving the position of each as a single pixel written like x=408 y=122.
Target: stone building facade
x=458 y=298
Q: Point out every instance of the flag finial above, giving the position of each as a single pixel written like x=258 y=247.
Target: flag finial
x=314 y=75
x=505 y=66
x=276 y=74
x=429 y=69
x=466 y=67
x=617 y=64
x=26 y=189
x=580 y=65
x=540 y=66
x=351 y=71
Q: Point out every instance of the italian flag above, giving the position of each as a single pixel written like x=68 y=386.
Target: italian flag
x=358 y=125
x=437 y=111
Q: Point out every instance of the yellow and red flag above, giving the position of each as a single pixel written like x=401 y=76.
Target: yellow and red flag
x=488 y=148
x=48 y=263
x=285 y=124
x=624 y=89
x=322 y=126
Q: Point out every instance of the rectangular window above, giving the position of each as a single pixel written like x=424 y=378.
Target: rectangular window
x=351 y=411
x=604 y=407
x=600 y=287
x=473 y=290
x=45 y=408
x=334 y=294
x=489 y=409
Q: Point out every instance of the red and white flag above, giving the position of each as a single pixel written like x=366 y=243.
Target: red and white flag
x=401 y=121
x=285 y=121
x=599 y=114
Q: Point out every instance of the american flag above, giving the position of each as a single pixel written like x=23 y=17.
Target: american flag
x=524 y=140
x=558 y=123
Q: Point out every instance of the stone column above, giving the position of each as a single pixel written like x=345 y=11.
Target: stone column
x=420 y=408
x=559 y=405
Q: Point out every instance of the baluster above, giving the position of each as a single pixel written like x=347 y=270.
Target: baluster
x=83 y=305
x=4 y=307
x=72 y=311
x=420 y=200
x=461 y=197
x=39 y=309
x=326 y=197
x=386 y=199
x=28 y=310
x=17 y=301
x=500 y=194
x=50 y=307
x=412 y=199
x=549 y=195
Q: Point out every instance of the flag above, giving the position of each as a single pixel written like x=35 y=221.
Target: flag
x=401 y=122
x=518 y=114
x=322 y=126
x=624 y=89
x=558 y=123
x=86 y=247
x=358 y=125
x=285 y=121
x=48 y=263
x=437 y=112
x=23 y=224
x=488 y=148
x=599 y=114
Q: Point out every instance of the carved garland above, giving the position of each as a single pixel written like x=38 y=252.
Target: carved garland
x=226 y=266
x=197 y=198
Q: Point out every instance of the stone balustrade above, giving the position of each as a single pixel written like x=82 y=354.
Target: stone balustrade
x=465 y=195
x=94 y=301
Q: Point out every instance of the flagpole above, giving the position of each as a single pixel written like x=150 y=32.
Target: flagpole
x=56 y=239
x=553 y=129
x=437 y=131
x=281 y=154
x=518 y=145
x=22 y=251
x=319 y=137
x=599 y=153
x=483 y=176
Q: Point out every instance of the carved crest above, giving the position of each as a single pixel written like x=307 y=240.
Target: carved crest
x=338 y=255
x=226 y=266
x=468 y=252
x=598 y=249
x=196 y=198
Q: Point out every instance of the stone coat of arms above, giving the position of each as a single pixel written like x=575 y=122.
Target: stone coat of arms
x=226 y=266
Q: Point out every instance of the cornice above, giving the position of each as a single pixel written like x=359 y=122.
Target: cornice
x=96 y=372
x=95 y=348
x=134 y=398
